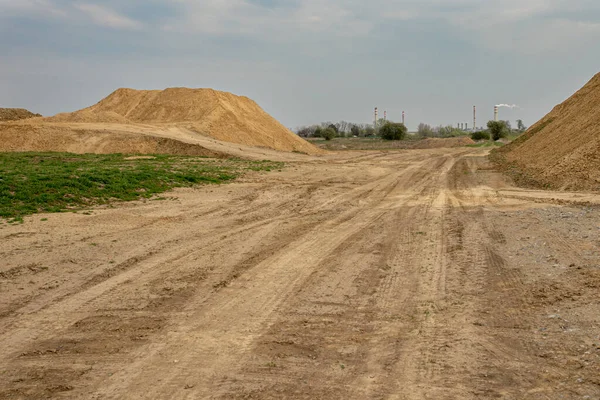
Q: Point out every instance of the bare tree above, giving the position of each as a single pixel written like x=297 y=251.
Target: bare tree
x=425 y=130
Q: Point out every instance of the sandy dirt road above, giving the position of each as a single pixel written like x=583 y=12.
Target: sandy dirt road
x=363 y=275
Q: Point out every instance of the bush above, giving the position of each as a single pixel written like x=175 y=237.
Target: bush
x=369 y=131
x=328 y=133
x=481 y=135
x=393 y=131
x=498 y=129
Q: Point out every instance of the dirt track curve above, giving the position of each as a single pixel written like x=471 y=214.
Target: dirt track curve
x=374 y=275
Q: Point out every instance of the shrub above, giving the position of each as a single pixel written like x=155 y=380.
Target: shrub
x=498 y=129
x=480 y=135
x=393 y=131
x=328 y=133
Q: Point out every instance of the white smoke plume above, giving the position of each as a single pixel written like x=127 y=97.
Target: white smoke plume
x=508 y=105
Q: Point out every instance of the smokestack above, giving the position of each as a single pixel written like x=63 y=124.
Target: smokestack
x=376 y=115
x=385 y=115
x=402 y=116
x=495 y=113
x=474 y=117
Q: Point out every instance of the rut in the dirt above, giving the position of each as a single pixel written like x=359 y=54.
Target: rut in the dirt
x=405 y=275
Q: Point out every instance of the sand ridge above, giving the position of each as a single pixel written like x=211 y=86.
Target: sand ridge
x=563 y=148
x=15 y=114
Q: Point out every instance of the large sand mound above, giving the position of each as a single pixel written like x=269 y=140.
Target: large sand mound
x=563 y=149
x=15 y=114
x=221 y=115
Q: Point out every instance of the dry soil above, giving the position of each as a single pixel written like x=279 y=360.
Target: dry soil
x=562 y=150
x=363 y=275
x=15 y=114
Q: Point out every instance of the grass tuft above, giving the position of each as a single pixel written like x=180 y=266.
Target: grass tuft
x=57 y=182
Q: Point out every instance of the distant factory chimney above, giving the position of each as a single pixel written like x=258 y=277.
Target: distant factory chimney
x=376 y=115
x=474 y=117
x=385 y=115
x=495 y=113
x=402 y=116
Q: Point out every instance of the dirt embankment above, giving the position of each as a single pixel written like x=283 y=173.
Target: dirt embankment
x=15 y=114
x=219 y=115
x=28 y=137
x=562 y=150
x=436 y=143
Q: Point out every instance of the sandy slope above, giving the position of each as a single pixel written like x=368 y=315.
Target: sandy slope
x=363 y=275
x=15 y=114
x=105 y=138
x=562 y=150
x=220 y=115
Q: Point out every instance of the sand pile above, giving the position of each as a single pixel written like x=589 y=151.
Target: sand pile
x=15 y=114
x=562 y=150
x=221 y=115
x=46 y=137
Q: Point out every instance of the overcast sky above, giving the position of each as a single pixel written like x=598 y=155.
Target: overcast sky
x=306 y=61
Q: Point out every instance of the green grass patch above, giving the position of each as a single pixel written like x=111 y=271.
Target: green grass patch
x=486 y=144
x=56 y=182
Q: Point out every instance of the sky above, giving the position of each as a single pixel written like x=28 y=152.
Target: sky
x=306 y=61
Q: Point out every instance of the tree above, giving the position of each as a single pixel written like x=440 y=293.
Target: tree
x=498 y=129
x=380 y=122
x=521 y=126
x=393 y=131
x=335 y=128
x=425 y=130
x=355 y=130
x=448 y=131
x=318 y=132
x=306 y=131
x=343 y=126
x=328 y=133
x=369 y=131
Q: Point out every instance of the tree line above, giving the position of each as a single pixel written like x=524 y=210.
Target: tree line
x=387 y=130
x=338 y=129
x=390 y=130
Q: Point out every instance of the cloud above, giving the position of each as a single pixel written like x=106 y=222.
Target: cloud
x=106 y=17
x=507 y=25
x=271 y=20
x=12 y=8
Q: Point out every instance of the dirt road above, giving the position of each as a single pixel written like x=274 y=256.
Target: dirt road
x=374 y=275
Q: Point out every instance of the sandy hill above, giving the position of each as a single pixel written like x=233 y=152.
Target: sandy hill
x=15 y=114
x=220 y=115
x=562 y=150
